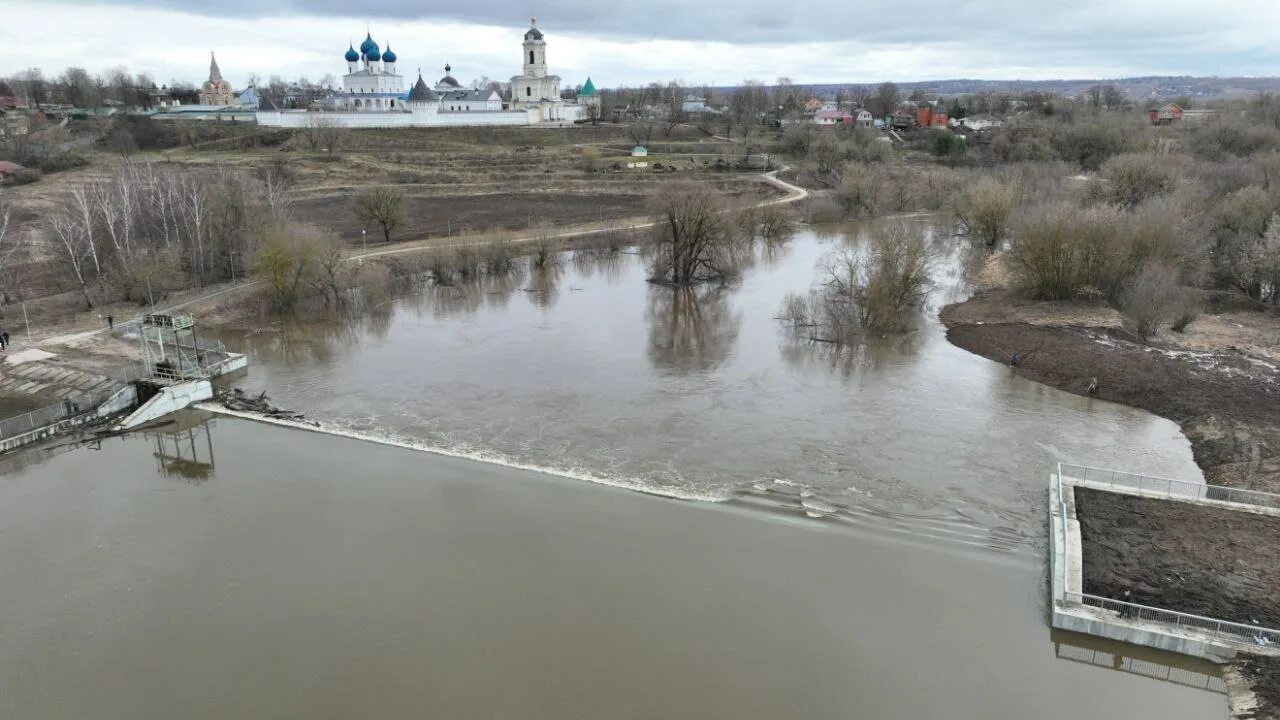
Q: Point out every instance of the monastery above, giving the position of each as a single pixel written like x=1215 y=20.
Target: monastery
x=373 y=95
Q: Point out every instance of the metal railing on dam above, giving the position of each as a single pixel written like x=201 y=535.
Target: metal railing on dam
x=1174 y=489
x=69 y=407
x=1216 y=629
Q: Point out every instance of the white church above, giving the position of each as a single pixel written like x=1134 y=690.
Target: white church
x=373 y=96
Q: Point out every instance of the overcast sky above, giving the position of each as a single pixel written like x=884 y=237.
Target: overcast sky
x=631 y=42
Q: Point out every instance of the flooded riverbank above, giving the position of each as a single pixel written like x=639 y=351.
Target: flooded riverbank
x=587 y=370
x=257 y=571
x=874 y=546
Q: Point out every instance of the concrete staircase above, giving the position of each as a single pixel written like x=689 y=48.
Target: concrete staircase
x=49 y=380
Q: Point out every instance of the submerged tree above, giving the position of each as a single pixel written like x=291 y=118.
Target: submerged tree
x=695 y=241
x=875 y=289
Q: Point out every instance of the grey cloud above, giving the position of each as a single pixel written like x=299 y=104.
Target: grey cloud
x=993 y=22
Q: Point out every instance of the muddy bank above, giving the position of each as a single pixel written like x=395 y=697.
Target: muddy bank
x=1202 y=560
x=1222 y=396
x=1264 y=674
x=1223 y=399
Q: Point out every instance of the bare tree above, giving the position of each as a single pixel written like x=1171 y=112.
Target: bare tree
x=74 y=239
x=694 y=241
x=383 y=206
x=885 y=100
x=324 y=133
x=672 y=97
x=331 y=276
x=7 y=245
x=640 y=132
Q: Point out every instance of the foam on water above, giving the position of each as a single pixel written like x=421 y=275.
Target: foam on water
x=394 y=440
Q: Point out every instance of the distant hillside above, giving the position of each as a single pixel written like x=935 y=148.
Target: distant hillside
x=1135 y=88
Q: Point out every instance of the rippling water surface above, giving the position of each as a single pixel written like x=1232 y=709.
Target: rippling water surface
x=590 y=370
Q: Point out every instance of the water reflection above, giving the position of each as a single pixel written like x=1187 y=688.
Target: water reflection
x=607 y=264
x=870 y=355
x=1135 y=660
x=544 y=284
x=480 y=292
x=184 y=450
x=691 y=328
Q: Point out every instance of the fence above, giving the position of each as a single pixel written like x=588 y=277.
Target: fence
x=69 y=407
x=1217 y=629
x=1170 y=487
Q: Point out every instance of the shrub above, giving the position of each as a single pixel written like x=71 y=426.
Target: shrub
x=823 y=209
x=873 y=290
x=1186 y=312
x=1061 y=251
x=947 y=145
x=862 y=190
x=1133 y=178
x=1150 y=299
x=1244 y=212
x=26 y=177
x=985 y=210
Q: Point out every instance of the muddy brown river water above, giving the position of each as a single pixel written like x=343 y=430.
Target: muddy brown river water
x=876 y=550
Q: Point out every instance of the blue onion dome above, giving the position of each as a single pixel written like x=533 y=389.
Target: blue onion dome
x=369 y=47
x=352 y=55
x=388 y=56
x=373 y=55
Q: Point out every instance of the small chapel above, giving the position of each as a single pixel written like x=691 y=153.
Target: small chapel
x=216 y=90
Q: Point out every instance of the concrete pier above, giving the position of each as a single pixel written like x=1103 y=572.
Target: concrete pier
x=1071 y=609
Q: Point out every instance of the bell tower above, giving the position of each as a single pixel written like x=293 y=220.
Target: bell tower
x=535 y=52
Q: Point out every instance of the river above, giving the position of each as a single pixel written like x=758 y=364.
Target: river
x=875 y=547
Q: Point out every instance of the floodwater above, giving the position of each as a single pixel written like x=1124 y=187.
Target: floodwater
x=590 y=371
x=877 y=550
x=240 y=570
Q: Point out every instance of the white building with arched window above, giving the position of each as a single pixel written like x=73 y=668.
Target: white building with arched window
x=535 y=89
x=374 y=96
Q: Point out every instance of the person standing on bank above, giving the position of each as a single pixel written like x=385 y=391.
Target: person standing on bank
x=4 y=339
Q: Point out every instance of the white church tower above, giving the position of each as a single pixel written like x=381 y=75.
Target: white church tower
x=534 y=86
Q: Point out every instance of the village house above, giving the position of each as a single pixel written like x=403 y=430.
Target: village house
x=927 y=117
x=981 y=122
x=833 y=117
x=1165 y=114
x=693 y=105
x=902 y=119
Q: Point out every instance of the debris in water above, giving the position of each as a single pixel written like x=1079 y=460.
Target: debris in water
x=236 y=399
